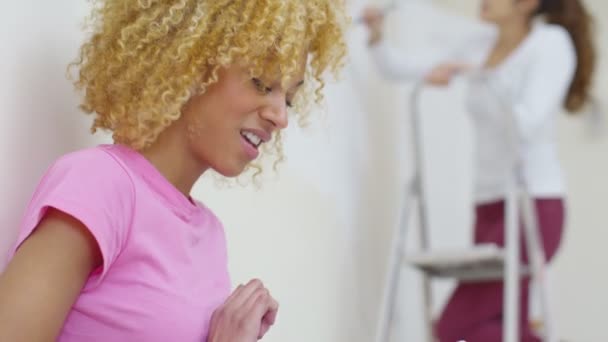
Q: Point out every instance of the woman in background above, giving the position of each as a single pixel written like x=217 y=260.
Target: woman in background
x=112 y=247
x=534 y=68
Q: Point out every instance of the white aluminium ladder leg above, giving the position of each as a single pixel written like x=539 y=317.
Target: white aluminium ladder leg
x=393 y=274
x=412 y=196
x=423 y=223
x=521 y=205
x=511 y=287
x=536 y=257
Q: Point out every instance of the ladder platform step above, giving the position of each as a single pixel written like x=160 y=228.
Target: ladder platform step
x=483 y=262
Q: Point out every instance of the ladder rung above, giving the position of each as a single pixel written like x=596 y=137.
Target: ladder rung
x=478 y=263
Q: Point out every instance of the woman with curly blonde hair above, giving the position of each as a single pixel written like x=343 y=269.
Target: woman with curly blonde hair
x=112 y=247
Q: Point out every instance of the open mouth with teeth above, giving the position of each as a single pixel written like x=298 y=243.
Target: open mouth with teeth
x=252 y=139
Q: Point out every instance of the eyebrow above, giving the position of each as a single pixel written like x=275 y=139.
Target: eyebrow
x=298 y=85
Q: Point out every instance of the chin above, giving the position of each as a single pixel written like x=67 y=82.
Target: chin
x=487 y=19
x=229 y=171
x=485 y=15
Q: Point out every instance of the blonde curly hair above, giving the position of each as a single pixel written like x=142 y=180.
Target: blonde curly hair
x=146 y=58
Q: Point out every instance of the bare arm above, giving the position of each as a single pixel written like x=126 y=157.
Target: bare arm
x=45 y=277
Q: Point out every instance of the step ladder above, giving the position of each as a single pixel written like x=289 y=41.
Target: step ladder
x=478 y=263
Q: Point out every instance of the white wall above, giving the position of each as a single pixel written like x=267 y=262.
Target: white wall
x=319 y=234
x=38 y=116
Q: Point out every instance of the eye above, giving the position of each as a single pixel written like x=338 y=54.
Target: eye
x=260 y=86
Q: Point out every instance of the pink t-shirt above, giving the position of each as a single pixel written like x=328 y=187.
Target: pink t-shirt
x=164 y=258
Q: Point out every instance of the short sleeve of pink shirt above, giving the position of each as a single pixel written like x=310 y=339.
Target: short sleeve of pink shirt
x=93 y=188
x=164 y=266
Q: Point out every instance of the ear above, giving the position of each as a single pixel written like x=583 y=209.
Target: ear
x=528 y=7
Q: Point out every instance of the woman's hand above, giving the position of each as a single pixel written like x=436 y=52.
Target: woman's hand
x=374 y=20
x=246 y=316
x=442 y=74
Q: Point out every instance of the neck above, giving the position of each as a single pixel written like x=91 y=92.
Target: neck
x=512 y=33
x=172 y=158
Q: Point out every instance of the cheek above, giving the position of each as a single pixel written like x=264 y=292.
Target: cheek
x=192 y=115
x=202 y=117
x=203 y=138
x=194 y=128
x=216 y=126
x=198 y=137
x=200 y=125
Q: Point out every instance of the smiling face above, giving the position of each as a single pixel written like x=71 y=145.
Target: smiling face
x=227 y=124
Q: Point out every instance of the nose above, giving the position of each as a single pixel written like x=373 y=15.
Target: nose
x=275 y=111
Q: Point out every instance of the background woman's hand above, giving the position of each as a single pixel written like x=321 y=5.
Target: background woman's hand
x=373 y=18
x=443 y=74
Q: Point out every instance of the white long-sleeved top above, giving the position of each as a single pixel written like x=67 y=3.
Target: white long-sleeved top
x=530 y=86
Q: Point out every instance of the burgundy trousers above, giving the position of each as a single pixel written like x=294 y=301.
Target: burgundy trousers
x=474 y=313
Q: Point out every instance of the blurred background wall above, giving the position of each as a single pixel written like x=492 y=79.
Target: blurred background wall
x=318 y=233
